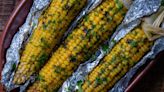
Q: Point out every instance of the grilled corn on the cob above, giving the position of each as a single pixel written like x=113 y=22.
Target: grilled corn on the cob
x=53 y=23
x=122 y=57
x=94 y=29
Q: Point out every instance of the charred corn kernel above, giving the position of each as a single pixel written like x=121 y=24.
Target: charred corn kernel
x=122 y=57
x=53 y=23
x=82 y=42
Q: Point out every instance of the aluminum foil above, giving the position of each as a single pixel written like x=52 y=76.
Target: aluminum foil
x=13 y=53
x=21 y=38
x=138 y=9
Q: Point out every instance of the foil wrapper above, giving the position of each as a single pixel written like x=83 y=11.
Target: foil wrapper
x=141 y=8
x=21 y=38
x=138 y=9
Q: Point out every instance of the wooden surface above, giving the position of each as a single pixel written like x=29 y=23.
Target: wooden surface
x=6 y=7
x=154 y=79
x=152 y=82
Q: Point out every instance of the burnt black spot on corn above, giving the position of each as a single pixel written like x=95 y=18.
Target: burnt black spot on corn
x=81 y=44
x=123 y=56
x=53 y=23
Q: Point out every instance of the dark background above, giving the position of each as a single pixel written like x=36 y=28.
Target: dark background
x=152 y=82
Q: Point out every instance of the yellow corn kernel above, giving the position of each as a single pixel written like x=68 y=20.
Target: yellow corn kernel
x=52 y=25
x=122 y=57
x=92 y=35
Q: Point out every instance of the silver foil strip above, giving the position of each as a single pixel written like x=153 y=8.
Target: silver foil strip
x=141 y=8
x=138 y=9
x=21 y=38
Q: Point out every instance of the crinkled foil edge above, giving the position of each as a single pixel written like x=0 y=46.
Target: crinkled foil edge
x=18 y=41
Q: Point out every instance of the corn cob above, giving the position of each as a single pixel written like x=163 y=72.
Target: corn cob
x=84 y=40
x=53 y=23
x=122 y=57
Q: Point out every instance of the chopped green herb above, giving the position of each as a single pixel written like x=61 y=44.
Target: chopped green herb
x=79 y=84
x=106 y=65
x=33 y=24
x=86 y=18
x=106 y=14
x=88 y=33
x=88 y=81
x=93 y=57
x=93 y=26
x=133 y=44
x=97 y=37
x=109 y=18
x=85 y=46
x=72 y=58
x=60 y=21
x=42 y=59
x=82 y=37
x=123 y=13
x=98 y=81
x=54 y=22
x=162 y=2
x=91 y=44
x=86 y=57
x=102 y=62
x=40 y=78
x=33 y=57
x=67 y=89
x=45 y=26
x=124 y=58
x=58 y=69
x=116 y=1
x=49 y=22
x=94 y=34
x=66 y=7
x=105 y=48
x=134 y=32
x=45 y=43
x=104 y=79
x=113 y=59
x=13 y=66
x=70 y=36
x=102 y=71
x=120 y=6
x=113 y=41
x=102 y=28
